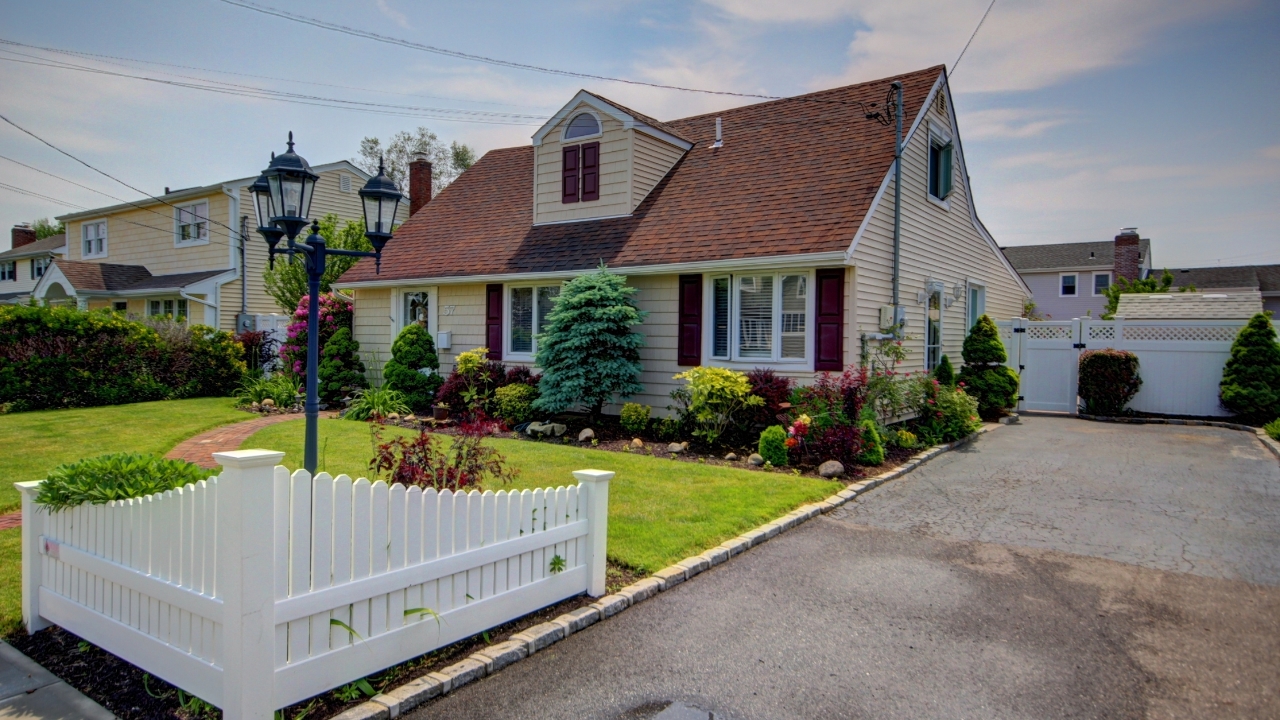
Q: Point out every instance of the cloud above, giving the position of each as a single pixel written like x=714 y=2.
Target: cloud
x=394 y=15
x=1004 y=123
x=1023 y=46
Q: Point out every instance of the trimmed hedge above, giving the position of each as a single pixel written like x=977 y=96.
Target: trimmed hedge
x=1251 y=378
x=411 y=353
x=984 y=375
x=1108 y=380
x=773 y=445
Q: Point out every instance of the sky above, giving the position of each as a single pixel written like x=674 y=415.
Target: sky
x=1076 y=118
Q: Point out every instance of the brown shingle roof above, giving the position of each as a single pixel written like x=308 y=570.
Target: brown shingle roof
x=39 y=247
x=1068 y=255
x=1263 y=277
x=795 y=176
x=108 y=277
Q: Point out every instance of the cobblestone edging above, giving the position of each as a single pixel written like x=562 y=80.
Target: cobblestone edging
x=521 y=645
x=1263 y=437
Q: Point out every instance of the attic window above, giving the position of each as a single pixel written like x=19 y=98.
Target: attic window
x=582 y=125
x=940 y=173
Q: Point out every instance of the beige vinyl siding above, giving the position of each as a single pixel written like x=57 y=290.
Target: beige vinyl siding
x=465 y=305
x=146 y=237
x=652 y=159
x=615 y=174
x=371 y=327
x=937 y=244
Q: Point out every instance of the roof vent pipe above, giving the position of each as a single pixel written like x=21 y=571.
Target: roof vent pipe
x=719 y=142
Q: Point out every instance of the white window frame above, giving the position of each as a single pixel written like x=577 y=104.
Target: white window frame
x=5 y=268
x=177 y=224
x=1094 y=284
x=84 y=229
x=43 y=264
x=433 y=309
x=580 y=138
x=939 y=138
x=971 y=318
x=507 y=352
x=1061 y=277
x=735 y=358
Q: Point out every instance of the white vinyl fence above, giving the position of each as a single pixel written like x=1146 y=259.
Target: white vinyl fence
x=256 y=589
x=1180 y=361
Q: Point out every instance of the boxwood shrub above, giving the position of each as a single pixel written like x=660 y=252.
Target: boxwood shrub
x=1108 y=380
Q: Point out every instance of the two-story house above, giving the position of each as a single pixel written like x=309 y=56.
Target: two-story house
x=25 y=262
x=183 y=253
x=1069 y=280
x=761 y=236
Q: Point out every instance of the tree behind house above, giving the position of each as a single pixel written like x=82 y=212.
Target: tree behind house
x=287 y=283
x=1145 y=285
x=45 y=227
x=588 y=352
x=447 y=161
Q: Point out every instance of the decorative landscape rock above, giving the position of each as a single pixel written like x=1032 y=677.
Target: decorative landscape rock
x=411 y=418
x=393 y=416
x=268 y=402
x=586 y=434
x=677 y=447
x=637 y=444
x=545 y=429
x=731 y=457
x=831 y=469
x=755 y=459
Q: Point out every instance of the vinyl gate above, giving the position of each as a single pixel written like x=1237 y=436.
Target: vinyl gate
x=1180 y=361
x=257 y=588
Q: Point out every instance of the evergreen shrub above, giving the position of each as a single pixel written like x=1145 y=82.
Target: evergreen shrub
x=872 y=444
x=773 y=445
x=1251 y=378
x=984 y=375
x=515 y=402
x=944 y=373
x=588 y=351
x=341 y=370
x=413 y=367
x=1108 y=380
x=635 y=418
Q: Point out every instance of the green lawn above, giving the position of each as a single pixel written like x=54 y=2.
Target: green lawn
x=36 y=442
x=660 y=511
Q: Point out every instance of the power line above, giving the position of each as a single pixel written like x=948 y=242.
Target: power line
x=108 y=58
x=971 y=37
x=59 y=177
x=335 y=27
x=21 y=191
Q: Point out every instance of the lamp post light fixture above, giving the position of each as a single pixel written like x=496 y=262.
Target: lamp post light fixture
x=282 y=200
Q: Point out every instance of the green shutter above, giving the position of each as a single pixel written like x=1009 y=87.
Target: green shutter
x=946 y=171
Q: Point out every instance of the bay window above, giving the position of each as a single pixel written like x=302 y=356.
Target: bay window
x=760 y=317
x=527 y=310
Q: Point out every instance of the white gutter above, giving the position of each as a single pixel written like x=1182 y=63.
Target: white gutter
x=781 y=261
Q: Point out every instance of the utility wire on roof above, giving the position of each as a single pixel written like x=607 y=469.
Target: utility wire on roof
x=21 y=191
x=971 y=37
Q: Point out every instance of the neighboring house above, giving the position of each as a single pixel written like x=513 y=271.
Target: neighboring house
x=760 y=236
x=1225 y=304
x=1068 y=280
x=1263 y=278
x=182 y=256
x=25 y=262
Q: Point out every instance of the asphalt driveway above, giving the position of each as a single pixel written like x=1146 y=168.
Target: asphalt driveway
x=1051 y=570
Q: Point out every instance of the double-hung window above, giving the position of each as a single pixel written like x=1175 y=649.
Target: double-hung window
x=1067 y=285
x=93 y=236
x=1101 y=281
x=760 y=317
x=38 y=266
x=9 y=270
x=192 y=224
x=940 y=172
x=977 y=303
x=527 y=310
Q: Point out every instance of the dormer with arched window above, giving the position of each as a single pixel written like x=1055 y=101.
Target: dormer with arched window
x=597 y=159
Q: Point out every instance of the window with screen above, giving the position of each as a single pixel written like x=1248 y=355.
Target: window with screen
x=527 y=311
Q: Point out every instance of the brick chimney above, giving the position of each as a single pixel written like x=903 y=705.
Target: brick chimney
x=23 y=234
x=1128 y=263
x=419 y=183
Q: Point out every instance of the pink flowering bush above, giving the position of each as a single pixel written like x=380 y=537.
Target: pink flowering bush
x=335 y=314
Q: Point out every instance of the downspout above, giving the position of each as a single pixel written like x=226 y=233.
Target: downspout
x=898 y=315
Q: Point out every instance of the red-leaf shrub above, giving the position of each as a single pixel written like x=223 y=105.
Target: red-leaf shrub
x=774 y=389
x=839 y=442
x=430 y=462
x=1108 y=380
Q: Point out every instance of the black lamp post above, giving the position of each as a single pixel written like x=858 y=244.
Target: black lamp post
x=282 y=200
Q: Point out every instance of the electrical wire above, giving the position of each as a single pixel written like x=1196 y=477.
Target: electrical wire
x=22 y=191
x=971 y=37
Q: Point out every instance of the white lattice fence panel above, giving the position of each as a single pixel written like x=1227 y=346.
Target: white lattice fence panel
x=1044 y=331
x=1102 y=333
x=1181 y=333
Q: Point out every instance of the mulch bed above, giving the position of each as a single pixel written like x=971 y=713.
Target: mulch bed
x=131 y=694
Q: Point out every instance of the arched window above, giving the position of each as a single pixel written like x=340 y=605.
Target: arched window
x=582 y=125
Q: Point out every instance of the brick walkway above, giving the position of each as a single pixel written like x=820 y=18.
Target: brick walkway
x=200 y=448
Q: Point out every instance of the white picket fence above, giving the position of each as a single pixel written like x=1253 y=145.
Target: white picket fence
x=257 y=588
x=1180 y=361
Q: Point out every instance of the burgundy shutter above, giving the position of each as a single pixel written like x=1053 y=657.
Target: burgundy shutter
x=689 y=335
x=828 y=336
x=493 y=320
x=569 y=175
x=590 y=171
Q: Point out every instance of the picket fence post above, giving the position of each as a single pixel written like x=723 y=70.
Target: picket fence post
x=245 y=582
x=32 y=566
x=595 y=488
